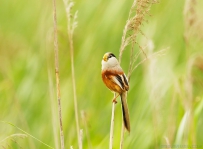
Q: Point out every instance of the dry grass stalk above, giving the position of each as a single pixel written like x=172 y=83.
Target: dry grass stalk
x=138 y=11
x=189 y=12
x=193 y=27
x=190 y=17
x=13 y=136
x=112 y=124
x=192 y=21
x=190 y=99
x=159 y=53
x=187 y=129
x=83 y=115
x=168 y=145
x=112 y=127
x=53 y=110
x=172 y=120
x=72 y=24
x=57 y=75
x=81 y=137
x=122 y=136
x=26 y=133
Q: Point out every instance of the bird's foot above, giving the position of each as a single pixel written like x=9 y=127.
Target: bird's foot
x=114 y=100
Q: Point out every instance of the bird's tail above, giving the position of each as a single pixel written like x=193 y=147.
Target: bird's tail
x=126 y=118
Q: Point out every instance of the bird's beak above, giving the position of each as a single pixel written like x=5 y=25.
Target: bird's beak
x=105 y=58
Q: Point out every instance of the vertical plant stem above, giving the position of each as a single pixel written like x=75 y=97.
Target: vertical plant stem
x=57 y=75
x=133 y=25
x=86 y=129
x=53 y=110
x=112 y=125
x=74 y=88
x=81 y=138
x=122 y=136
x=70 y=30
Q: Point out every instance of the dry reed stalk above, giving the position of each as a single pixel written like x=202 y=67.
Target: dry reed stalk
x=186 y=130
x=57 y=75
x=190 y=99
x=26 y=133
x=190 y=18
x=81 y=138
x=172 y=120
x=191 y=27
x=168 y=145
x=53 y=110
x=131 y=69
x=192 y=22
x=122 y=136
x=13 y=136
x=70 y=29
x=138 y=12
x=86 y=129
x=23 y=121
x=112 y=124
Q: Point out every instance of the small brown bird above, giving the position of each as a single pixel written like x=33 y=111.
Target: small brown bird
x=115 y=79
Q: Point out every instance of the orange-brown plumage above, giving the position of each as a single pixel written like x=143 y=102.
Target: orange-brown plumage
x=115 y=79
x=107 y=77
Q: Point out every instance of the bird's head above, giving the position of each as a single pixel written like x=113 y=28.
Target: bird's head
x=109 y=60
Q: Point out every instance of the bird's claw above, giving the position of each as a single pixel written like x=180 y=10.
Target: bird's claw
x=114 y=100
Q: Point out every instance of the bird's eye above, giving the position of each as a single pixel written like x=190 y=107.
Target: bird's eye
x=111 y=55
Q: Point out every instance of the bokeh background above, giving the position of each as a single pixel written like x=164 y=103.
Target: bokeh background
x=166 y=92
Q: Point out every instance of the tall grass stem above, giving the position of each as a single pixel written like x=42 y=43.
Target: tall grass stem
x=26 y=133
x=112 y=125
x=57 y=76
x=122 y=136
x=70 y=29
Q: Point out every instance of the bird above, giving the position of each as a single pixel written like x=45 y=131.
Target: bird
x=115 y=79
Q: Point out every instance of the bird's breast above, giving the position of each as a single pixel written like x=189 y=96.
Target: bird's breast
x=107 y=79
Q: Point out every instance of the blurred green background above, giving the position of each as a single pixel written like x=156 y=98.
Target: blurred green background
x=165 y=98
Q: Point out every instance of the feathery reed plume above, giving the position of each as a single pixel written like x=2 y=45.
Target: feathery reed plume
x=14 y=136
x=72 y=24
x=192 y=22
x=138 y=11
x=26 y=133
x=190 y=17
x=193 y=28
x=57 y=75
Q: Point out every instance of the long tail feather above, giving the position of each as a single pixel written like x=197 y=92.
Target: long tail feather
x=126 y=118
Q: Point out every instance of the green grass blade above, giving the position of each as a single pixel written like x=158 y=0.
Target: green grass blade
x=27 y=133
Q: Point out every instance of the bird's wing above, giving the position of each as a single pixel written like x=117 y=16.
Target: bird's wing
x=121 y=80
x=126 y=82
x=118 y=78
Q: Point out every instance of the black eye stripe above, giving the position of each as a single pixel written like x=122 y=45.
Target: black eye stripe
x=111 y=55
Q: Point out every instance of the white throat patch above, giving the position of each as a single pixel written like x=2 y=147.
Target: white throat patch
x=111 y=62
